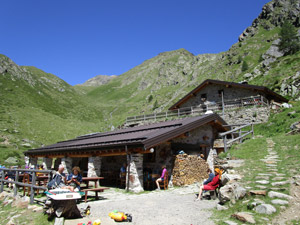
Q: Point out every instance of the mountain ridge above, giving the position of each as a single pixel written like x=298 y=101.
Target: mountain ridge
x=43 y=109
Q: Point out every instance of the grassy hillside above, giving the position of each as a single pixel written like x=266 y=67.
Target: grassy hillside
x=38 y=108
x=253 y=150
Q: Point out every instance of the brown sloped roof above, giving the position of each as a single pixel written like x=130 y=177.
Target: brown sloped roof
x=144 y=137
x=269 y=94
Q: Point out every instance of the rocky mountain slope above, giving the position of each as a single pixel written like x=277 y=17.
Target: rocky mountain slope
x=98 y=80
x=39 y=108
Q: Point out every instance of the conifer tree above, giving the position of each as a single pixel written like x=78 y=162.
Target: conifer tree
x=289 y=39
x=244 y=66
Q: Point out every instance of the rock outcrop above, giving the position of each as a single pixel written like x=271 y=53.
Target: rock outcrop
x=98 y=80
x=274 y=14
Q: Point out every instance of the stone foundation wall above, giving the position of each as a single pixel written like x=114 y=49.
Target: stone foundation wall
x=256 y=114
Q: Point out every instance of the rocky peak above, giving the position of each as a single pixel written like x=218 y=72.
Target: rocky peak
x=98 y=80
x=273 y=15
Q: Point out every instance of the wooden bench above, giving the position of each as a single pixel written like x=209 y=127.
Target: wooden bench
x=96 y=190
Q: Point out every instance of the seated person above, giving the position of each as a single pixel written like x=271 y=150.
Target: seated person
x=162 y=177
x=74 y=179
x=10 y=176
x=212 y=185
x=123 y=170
x=210 y=176
x=40 y=167
x=59 y=180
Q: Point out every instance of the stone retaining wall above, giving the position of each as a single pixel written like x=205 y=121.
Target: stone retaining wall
x=256 y=114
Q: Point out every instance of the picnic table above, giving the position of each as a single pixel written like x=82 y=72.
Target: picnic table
x=86 y=180
x=96 y=189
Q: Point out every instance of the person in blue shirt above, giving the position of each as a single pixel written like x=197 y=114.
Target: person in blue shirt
x=74 y=179
x=210 y=177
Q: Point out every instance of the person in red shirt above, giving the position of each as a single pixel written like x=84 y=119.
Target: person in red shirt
x=212 y=185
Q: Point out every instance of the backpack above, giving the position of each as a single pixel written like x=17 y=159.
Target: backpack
x=54 y=183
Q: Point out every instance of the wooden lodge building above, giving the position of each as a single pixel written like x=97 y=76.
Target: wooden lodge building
x=148 y=147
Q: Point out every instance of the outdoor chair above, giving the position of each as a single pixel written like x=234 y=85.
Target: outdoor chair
x=123 y=179
x=26 y=179
x=164 y=184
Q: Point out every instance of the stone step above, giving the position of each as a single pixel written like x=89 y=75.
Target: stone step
x=279 y=202
x=274 y=194
x=262 y=182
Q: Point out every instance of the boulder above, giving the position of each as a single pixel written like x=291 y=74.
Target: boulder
x=244 y=217
x=3 y=195
x=231 y=192
x=11 y=160
x=20 y=203
x=265 y=209
x=221 y=207
x=26 y=145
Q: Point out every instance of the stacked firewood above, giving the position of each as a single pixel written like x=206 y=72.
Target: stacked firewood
x=189 y=169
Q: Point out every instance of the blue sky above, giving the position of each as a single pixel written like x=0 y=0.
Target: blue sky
x=79 y=39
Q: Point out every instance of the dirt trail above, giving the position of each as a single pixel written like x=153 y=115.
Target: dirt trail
x=292 y=211
x=176 y=206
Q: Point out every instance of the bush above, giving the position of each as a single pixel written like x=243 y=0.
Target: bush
x=245 y=66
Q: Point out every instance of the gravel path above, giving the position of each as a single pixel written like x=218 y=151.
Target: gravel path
x=174 y=206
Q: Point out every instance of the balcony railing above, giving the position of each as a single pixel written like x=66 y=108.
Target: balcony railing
x=218 y=107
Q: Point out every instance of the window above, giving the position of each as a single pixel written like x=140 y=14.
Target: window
x=203 y=97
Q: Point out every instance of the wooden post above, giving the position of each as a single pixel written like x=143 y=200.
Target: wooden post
x=178 y=112
x=225 y=143
x=2 y=181
x=32 y=189
x=16 y=187
x=192 y=110
x=240 y=134
x=222 y=103
x=128 y=168
x=252 y=129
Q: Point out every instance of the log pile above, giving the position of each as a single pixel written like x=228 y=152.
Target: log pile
x=189 y=169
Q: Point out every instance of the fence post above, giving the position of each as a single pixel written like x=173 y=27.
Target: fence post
x=32 y=189
x=166 y=114
x=240 y=134
x=192 y=110
x=16 y=187
x=178 y=113
x=2 y=181
x=225 y=143
x=252 y=128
